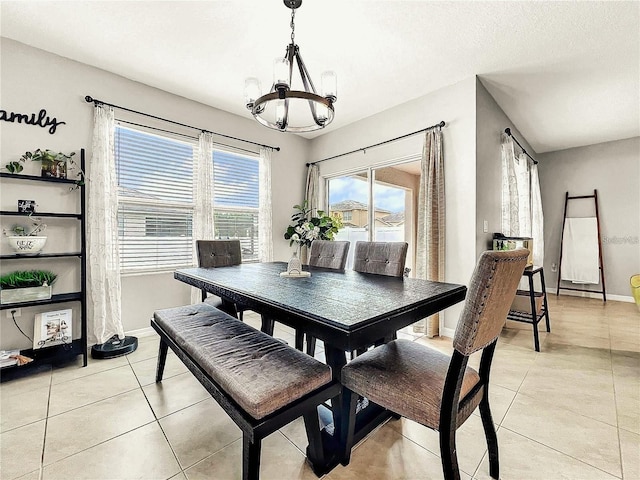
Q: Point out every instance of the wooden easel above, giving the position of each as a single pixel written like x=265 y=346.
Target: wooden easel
x=566 y=201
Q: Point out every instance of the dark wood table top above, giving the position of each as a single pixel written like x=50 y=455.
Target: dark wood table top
x=347 y=309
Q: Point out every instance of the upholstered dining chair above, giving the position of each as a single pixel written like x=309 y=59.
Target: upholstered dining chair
x=381 y=258
x=330 y=254
x=431 y=388
x=219 y=253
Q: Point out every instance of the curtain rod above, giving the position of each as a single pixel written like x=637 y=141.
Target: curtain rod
x=89 y=99
x=508 y=132
x=363 y=149
x=181 y=135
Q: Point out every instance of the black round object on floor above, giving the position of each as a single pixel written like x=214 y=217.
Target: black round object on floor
x=114 y=347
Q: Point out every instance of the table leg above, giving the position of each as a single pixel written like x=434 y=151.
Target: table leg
x=268 y=324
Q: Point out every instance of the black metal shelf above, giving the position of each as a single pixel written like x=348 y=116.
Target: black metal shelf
x=14 y=256
x=49 y=355
x=40 y=214
x=17 y=176
x=58 y=353
x=59 y=298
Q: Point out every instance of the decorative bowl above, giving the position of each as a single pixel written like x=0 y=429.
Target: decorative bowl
x=27 y=245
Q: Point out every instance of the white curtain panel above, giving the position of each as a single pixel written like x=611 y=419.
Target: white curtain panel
x=521 y=199
x=523 y=181
x=265 y=229
x=430 y=248
x=203 y=227
x=537 y=218
x=312 y=188
x=103 y=269
x=510 y=210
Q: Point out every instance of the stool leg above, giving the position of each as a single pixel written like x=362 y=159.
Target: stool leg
x=534 y=315
x=162 y=358
x=250 y=458
x=544 y=299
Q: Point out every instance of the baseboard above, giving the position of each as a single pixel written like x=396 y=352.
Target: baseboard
x=447 y=332
x=596 y=295
x=141 y=332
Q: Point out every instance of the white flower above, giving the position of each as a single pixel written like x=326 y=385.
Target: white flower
x=295 y=237
x=299 y=230
x=313 y=234
x=307 y=226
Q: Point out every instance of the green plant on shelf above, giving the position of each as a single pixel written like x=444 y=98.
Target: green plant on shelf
x=36 y=229
x=27 y=278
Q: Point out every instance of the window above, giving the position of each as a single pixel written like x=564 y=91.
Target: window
x=156 y=200
x=236 y=200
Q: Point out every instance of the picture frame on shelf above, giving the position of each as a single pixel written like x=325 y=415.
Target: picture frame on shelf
x=26 y=206
x=54 y=168
x=52 y=328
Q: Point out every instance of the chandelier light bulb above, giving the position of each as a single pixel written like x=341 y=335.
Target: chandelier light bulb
x=281 y=73
x=322 y=113
x=280 y=113
x=252 y=91
x=329 y=83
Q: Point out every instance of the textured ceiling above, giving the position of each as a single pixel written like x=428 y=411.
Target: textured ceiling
x=566 y=73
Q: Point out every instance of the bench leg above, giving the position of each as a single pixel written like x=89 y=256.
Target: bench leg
x=250 y=458
x=162 y=358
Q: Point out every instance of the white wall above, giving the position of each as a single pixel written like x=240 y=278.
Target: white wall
x=613 y=168
x=32 y=79
x=456 y=106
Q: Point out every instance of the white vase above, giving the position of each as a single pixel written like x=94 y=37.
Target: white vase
x=294 y=265
x=27 y=245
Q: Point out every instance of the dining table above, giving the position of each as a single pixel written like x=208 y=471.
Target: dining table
x=347 y=310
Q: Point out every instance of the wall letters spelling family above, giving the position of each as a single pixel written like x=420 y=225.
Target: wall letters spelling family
x=41 y=119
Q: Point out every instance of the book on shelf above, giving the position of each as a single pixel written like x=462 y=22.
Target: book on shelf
x=8 y=358
x=52 y=328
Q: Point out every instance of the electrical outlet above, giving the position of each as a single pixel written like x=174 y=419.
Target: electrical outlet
x=14 y=312
x=554 y=267
x=485 y=226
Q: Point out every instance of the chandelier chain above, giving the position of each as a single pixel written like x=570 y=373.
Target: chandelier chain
x=293 y=26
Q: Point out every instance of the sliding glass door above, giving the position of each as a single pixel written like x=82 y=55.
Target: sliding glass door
x=392 y=191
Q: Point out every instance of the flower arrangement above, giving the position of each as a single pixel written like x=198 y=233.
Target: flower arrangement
x=305 y=229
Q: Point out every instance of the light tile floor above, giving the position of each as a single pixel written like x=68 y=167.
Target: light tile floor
x=571 y=411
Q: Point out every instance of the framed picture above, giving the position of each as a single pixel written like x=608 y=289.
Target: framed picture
x=52 y=328
x=54 y=169
x=26 y=206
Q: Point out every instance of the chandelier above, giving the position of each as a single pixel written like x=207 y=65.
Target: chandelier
x=289 y=110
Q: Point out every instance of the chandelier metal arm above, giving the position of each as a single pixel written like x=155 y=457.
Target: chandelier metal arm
x=308 y=86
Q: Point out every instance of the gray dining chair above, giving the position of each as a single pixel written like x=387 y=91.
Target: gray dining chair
x=329 y=254
x=430 y=387
x=219 y=253
x=381 y=258
x=324 y=254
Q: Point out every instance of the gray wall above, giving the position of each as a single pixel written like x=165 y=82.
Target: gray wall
x=33 y=79
x=490 y=123
x=613 y=168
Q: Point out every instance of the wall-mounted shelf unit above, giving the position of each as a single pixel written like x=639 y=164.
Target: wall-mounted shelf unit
x=78 y=346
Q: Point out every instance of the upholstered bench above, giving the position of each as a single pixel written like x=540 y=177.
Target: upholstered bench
x=262 y=383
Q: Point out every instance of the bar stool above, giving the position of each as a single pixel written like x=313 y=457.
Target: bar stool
x=534 y=312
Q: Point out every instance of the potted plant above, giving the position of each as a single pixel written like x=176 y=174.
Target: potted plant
x=26 y=286
x=27 y=240
x=54 y=164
